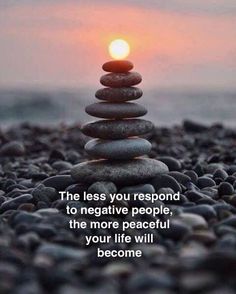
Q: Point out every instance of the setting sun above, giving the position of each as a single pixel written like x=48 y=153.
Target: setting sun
x=119 y=49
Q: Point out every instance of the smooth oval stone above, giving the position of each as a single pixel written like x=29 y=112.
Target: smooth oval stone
x=116 y=110
x=16 y=202
x=117 y=129
x=192 y=174
x=220 y=173
x=165 y=181
x=177 y=231
x=205 y=210
x=117 y=80
x=131 y=172
x=118 y=66
x=203 y=182
x=119 y=94
x=195 y=221
x=172 y=163
x=13 y=148
x=59 y=182
x=225 y=189
x=180 y=177
x=118 y=149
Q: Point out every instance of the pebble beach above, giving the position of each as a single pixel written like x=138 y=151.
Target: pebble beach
x=40 y=254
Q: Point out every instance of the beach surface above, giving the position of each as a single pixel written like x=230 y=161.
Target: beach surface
x=40 y=254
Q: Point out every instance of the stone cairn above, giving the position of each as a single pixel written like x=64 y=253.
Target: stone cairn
x=117 y=146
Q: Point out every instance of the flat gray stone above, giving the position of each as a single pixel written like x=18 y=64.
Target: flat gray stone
x=118 y=149
x=119 y=94
x=118 y=66
x=131 y=172
x=116 y=110
x=117 y=129
x=117 y=80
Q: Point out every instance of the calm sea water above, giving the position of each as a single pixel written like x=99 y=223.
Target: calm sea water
x=166 y=107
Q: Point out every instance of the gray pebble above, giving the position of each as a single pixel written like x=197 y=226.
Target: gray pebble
x=61 y=165
x=225 y=189
x=195 y=221
x=192 y=174
x=166 y=181
x=177 y=231
x=231 y=169
x=230 y=221
x=172 y=163
x=203 y=182
x=207 y=211
x=46 y=194
x=59 y=252
x=180 y=177
x=13 y=148
x=213 y=167
x=16 y=202
x=59 y=182
x=220 y=173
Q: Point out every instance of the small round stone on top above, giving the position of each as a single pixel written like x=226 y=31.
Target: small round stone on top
x=118 y=66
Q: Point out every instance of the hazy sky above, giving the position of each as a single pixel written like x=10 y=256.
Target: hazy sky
x=56 y=43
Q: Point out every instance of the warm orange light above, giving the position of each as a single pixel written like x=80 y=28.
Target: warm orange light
x=119 y=49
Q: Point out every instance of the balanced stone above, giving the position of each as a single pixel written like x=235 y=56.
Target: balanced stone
x=118 y=149
x=117 y=129
x=130 y=172
x=117 y=80
x=119 y=94
x=115 y=110
x=118 y=66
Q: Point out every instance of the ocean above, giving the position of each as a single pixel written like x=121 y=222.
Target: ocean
x=165 y=107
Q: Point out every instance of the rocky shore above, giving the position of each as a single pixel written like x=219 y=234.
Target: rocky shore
x=40 y=254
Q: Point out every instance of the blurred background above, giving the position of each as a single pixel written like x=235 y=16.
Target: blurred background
x=51 y=53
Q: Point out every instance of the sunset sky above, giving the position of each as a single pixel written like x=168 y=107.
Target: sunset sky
x=174 y=43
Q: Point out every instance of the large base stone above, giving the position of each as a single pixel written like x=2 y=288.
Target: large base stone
x=122 y=173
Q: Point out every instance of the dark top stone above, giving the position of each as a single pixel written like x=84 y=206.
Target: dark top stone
x=118 y=66
x=117 y=80
x=117 y=129
x=119 y=94
x=115 y=110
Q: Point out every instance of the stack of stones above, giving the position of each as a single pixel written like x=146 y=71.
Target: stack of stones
x=117 y=147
